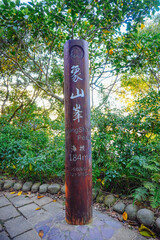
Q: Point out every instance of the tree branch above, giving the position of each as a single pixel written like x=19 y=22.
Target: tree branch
x=35 y=82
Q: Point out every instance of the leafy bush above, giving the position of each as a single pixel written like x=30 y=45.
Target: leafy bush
x=125 y=147
x=150 y=191
x=32 y=154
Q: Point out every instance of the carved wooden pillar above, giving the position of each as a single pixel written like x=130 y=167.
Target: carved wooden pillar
x=78 y=165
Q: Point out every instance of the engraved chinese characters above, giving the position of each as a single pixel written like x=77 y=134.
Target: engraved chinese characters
x=78 y=169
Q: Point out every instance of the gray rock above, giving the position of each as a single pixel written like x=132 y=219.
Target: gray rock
x=1 y=184
x=35 y=187
x=54 y=188
x=145 y=217
x=8 y=184
x=63 y=189
x=17 y=186
x=131 y=211
x=43 y=188
x=109 y=200
x=158 y=224
x=27 y=186
x=119 y=207
x=100 y=198
x=94 y=193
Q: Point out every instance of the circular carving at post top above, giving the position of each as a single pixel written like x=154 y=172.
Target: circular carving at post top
x=76 y=52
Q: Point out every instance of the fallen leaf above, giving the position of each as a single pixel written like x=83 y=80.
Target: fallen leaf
x=38 y=208
x=41 y=233
x=54 y=200
x=125 y=216
x=144 y=231
x=132 y=223
x=40 y=196
x=12 y=192
x=19 y=193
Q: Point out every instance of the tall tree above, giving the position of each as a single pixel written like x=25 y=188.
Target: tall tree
x=139 y=52
x=33 y=35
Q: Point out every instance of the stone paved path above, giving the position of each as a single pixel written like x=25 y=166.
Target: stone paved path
x=19 y=220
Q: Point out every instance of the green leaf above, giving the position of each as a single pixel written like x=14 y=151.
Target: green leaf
x=17 y=2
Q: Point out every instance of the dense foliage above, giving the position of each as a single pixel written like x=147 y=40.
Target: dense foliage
x=126 y=148
x=33 y=149
x=33 y=34
x=125 y=143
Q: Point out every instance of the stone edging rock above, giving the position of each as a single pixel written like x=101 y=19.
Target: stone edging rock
x=143 y=216
x=30 y=186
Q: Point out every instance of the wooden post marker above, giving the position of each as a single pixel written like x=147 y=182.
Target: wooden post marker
x=78 y=163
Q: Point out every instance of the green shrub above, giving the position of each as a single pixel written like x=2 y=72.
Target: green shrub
x=31 y=154
x=125 y=147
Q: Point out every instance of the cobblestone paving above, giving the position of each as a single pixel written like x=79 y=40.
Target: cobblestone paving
x=19 y=220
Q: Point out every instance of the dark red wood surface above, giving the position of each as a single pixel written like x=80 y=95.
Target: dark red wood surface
x=78 y=163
